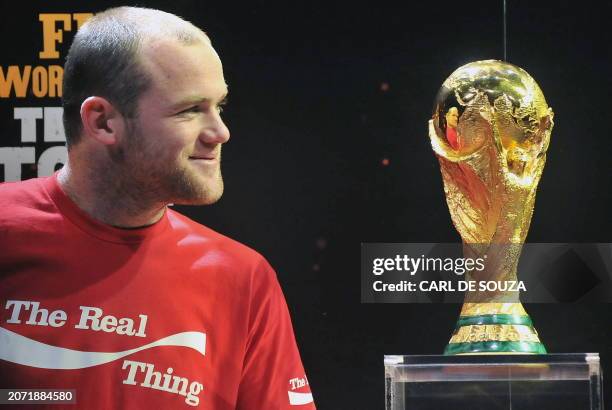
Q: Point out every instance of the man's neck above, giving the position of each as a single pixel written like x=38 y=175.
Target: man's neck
x=107 y=200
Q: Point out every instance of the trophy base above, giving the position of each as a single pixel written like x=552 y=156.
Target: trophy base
x=494 y=328
x=495 y=347
x=494 y=381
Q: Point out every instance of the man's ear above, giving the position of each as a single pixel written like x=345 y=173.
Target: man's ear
x=101 y=121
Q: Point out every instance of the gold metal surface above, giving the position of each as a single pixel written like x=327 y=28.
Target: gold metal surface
x=499 y=333
x=503 y=130
x=479 y=309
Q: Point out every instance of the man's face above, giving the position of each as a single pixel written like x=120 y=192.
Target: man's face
x=174 y=151
x=452 y=117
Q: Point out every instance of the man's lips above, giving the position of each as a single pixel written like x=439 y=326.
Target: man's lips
x=209 y=157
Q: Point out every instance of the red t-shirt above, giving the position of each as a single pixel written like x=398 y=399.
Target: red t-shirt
x=172 y=315
x=453 y=138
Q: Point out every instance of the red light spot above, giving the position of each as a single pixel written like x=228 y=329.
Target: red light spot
x=384 y=87
x=385 y=162
x=321 y=243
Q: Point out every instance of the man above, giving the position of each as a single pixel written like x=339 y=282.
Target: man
x=452 y=120
x=107 y=291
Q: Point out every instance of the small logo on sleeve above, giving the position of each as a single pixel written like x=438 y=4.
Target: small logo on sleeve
x=299 y=398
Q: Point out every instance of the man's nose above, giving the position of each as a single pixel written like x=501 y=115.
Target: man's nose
x=215 y=131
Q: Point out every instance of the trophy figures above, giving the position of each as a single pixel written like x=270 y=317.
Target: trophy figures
x=490 y=130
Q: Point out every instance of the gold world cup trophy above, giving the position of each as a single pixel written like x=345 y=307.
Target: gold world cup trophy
x=490 y=130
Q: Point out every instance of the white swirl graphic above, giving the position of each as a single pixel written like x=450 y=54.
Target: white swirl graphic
x=19 y=349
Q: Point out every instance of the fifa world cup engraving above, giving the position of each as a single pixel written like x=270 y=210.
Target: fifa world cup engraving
x=490 y=130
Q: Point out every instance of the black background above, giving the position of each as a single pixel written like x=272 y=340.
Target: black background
x=311 y=122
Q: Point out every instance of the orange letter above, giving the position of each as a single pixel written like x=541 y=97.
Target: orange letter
x=50 y=35
x=40 y=81
x=56 y=75
x=15 y=80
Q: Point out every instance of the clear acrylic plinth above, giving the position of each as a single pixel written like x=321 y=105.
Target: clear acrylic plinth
x=508 y=382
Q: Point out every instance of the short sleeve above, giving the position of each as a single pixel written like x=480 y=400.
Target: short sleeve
x=273 y=376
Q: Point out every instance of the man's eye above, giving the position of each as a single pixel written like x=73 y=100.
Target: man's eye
x=193 y=109
x=200 y=108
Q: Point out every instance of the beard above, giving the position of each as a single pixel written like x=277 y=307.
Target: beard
x=144 y=171
x=188 y=187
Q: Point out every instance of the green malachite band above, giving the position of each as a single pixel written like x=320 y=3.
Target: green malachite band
x=495 y=347
x=493 y=320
